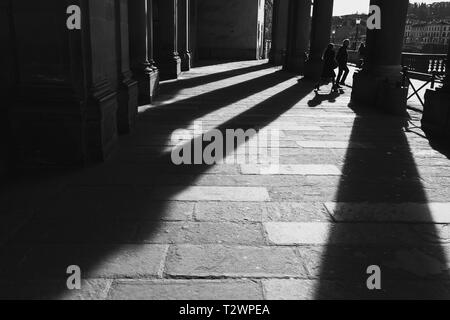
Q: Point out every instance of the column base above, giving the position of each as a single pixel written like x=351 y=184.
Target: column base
x=436 y=114
x=278 y=58
x=186 y=62
x=154 y=83
x=313 y=69
x=379 y=92
x=171 y=69
x=102 y=131
x=50 y=130
x=128 y=102
x=295 y=64
x=148 y=82
x=57 y=128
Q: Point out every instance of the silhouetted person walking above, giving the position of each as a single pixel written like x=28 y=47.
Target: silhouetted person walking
x=362 y=55
x=342 y=60
x=329 y=64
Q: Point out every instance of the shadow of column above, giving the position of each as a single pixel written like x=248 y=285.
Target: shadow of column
x=382 y=217
x=97 y=224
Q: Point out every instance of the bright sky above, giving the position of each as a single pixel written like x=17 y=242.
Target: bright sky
x=342 y=7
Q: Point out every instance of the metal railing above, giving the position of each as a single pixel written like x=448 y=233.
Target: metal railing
x=430 y=68
x=419 y=64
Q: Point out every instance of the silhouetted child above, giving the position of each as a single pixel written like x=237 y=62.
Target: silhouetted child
x=329 y=64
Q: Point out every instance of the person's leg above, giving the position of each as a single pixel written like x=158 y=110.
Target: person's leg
x=339 y=75
x=334 y=87
x=318 y=84
x=346 y=72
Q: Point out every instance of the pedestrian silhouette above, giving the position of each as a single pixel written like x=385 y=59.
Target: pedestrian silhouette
x=362 y=55
x=342 y=60
x=329 y=64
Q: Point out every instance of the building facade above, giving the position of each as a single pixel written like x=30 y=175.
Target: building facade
x=422 y=34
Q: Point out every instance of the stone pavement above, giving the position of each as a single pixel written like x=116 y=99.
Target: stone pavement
x=354 y=188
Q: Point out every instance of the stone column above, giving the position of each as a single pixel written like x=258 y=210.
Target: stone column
x=128 y=88
x=7 y=80
x=100 y=44
x=299 y=24
x=436 y=112
x=167 y=51
x=379 y=83
x=184 y=34
x=279 y=32
x=320 y=36
x=141 y=48
x=193 y=4
x=151 y=36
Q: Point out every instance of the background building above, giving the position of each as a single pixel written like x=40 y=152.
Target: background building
x=427 y=36
x=427 y=29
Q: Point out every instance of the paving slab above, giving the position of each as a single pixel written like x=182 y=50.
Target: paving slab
x=211 y=193
x=390 y=212
x=91 y=289
x=350 y=263
x=233 y=261
x=297 y=289
x=282 y=169
x=313 y=233
x=201 y=233
x=230 y=211
x=320 y=144
x=229 y=290
x=95 y=261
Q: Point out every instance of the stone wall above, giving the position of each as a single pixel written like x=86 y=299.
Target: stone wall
x=43 y=108
x=229 y=29
x=63 y=108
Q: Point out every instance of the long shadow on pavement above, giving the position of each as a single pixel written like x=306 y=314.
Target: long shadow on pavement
x=99 y=224
x=382 y=218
